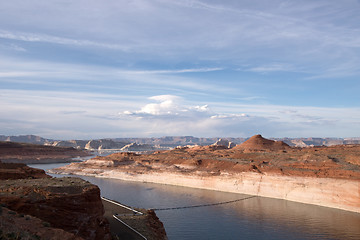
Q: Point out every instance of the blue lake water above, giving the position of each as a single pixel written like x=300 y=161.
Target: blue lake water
x=254 y=218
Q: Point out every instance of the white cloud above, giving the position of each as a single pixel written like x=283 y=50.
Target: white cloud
x=69 y=115
x=204 y=108
x=230 y=116
x=169 y=106
x=166 y=106
x=172 y=116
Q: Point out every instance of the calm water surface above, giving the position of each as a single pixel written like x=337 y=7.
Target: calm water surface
x=255 y=218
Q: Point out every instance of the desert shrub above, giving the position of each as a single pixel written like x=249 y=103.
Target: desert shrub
x=37 y=237
x=3 y=205
x=11 y=235
x=46 y=224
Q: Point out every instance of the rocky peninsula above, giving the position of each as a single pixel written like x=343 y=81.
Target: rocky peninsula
x=325 y=176
x=33 y=153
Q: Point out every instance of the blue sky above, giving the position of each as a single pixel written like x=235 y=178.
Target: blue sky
x=141 y=68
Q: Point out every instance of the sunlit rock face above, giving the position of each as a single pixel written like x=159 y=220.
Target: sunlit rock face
x=224 y=143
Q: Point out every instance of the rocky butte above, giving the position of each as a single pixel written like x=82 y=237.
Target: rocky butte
x=325 y=176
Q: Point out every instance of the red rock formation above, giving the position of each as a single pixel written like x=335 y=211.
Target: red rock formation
x=20 y=171
x=256 y=155
x=258 y=143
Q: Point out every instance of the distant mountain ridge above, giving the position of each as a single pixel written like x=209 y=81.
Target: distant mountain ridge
x=167 y=142
x=25 y=139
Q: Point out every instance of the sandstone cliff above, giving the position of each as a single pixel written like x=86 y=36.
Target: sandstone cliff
x=138 y=147
x=225 y=143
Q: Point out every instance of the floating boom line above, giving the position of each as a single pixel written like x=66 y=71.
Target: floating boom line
x=202 y=205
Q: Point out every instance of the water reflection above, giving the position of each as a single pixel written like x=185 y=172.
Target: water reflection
x=255 y=218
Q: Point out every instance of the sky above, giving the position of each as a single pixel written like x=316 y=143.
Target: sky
x=209 y=68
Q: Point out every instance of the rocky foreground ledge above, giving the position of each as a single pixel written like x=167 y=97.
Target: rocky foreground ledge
x=325 y=176
x=49 y=208
x=37 y=206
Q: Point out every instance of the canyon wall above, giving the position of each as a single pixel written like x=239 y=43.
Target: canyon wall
x=328 y=192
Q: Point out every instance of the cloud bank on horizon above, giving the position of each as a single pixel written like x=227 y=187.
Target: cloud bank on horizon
x=89 y=69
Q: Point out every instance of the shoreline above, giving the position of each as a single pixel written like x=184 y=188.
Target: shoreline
x=327 y=192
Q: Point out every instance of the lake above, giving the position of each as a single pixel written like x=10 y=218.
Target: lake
x=251 y=218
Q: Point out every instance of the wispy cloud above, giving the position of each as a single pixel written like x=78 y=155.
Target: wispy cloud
x=36 y=37
x=52 y=74
x=17 y=74
x=12 y=47
x=173 y=71
x=275 y=67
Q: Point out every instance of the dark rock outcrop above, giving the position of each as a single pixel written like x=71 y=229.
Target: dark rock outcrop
x=70 y=204
x=21 y=226
x=155 y=225
x=20 y=171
